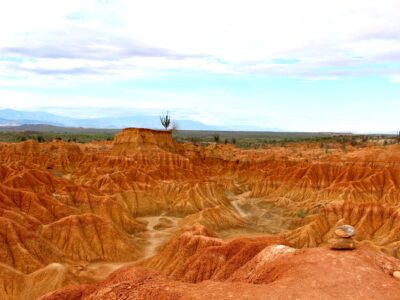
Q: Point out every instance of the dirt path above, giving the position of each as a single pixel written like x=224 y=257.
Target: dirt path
x=263 y=215
x=158 y=230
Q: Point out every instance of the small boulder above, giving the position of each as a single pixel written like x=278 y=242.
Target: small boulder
x=342 y=243
x=345 y=231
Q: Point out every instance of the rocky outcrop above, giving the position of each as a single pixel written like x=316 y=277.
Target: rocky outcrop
x=132 y=140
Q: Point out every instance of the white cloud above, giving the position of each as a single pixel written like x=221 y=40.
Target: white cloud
x=85 y=43
x=395 y=78
x=245 y=35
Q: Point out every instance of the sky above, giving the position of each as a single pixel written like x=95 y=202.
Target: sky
x=310 y=65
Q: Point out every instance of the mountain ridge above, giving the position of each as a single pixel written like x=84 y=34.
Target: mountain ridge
x=11 y=117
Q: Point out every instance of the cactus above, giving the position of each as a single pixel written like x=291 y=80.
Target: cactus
x=165 y=120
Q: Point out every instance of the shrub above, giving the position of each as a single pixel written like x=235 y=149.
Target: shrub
x=302 y=213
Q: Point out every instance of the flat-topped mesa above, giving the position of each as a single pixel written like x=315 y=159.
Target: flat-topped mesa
x=130 y=140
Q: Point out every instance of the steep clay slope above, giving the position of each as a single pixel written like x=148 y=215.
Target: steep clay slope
x=88 y=237
x=16 y=285
x=196 y=255
x=272 y=272
x=72 y=213
x=25 y=250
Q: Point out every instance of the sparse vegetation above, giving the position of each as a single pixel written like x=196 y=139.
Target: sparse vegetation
x=41 y=137
x=240 y=139
x=267 y=139
x=302 y=213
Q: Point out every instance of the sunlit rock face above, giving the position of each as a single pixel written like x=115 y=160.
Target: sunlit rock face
x=196 y=222
x=131 y=140
x=197 y=265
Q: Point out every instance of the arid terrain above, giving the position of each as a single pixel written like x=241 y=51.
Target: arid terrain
x=146 y=217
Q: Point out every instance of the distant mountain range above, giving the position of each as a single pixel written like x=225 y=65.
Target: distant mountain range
x=10 y=117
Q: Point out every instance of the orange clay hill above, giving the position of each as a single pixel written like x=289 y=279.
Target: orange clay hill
x=146 y=217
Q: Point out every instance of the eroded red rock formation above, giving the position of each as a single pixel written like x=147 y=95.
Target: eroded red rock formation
x=213 y=219
x=249 y=269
